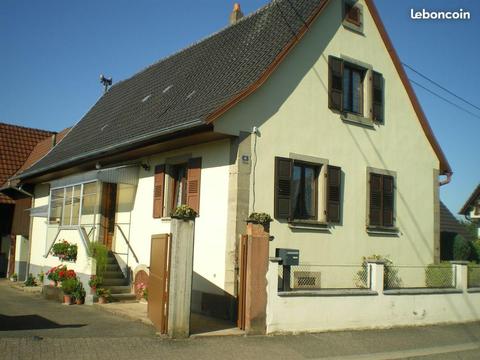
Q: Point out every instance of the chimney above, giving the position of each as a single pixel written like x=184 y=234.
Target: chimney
x=236 y=14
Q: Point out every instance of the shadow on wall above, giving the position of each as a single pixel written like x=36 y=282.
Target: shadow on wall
x=30 y=322
x=208 y=299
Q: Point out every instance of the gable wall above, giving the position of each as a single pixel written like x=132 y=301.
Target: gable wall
x=291 y=111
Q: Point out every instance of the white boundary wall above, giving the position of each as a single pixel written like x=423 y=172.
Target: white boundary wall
x=315 y=311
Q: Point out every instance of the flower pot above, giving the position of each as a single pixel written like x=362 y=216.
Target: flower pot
x=67 y=299
x=102 y=300
x=53 y=283
x=79 y=301
x=93 y=290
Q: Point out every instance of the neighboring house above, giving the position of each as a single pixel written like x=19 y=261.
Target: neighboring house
x=301 y=110
x=449 y=228
x=16 y=144
x=471 y=208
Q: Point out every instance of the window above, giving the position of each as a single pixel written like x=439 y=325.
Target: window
x=381 y=200
x=175 y=185
x=353 y=89
x=353 y=16
x=304 y=191
x=178 y=176
x=297 y=193
x=69 y=204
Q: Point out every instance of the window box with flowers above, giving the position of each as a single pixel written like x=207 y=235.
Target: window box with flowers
x=65 y=251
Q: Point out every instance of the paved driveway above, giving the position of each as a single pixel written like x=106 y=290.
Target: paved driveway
x=33 y=328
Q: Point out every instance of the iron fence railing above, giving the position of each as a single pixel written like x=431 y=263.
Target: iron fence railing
x=441 y=276
x=317 y=277
x=473 y=276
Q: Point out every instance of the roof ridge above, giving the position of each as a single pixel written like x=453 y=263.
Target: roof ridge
x=263 y=8
x=27 y=128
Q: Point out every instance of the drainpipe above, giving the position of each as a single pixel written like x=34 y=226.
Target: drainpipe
x=447 y=179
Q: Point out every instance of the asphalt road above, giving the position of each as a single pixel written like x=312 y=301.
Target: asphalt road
x=33 y=328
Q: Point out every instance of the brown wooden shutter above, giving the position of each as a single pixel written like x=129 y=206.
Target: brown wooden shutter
x=334 y=180
x=193 y=183
x=158 y=191
x=388 y=186
x=283 y=185
x=375 y=212
x=335 y=83
x=377 y=97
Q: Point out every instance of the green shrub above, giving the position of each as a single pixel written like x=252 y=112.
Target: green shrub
x=30 y=280
x=476 y=250
x=461 y=248
x=473 y=275
x=100 y=253
x=69 y=285
x=391 y=279
x=439 y=275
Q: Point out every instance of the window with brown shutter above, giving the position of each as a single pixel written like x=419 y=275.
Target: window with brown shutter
x=193 y=183
x=381 y=206
x=158 y=191
x=335 y=83
x=334 y=179
x=377 y=97
x=353 y=14
x=283 y=184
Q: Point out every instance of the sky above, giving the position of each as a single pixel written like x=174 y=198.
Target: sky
x=53 y=51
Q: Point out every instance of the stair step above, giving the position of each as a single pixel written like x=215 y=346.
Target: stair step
x=118 y=289
x=113 y=267
x=114 y=282
x=124 y=297
x=113 y=275
x=111 y=260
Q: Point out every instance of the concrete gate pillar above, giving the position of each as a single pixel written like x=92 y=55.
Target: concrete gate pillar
x=180 y=283
x=256 y=279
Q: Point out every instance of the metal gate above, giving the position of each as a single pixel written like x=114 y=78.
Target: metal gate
x=158 y=282
x=242 y=262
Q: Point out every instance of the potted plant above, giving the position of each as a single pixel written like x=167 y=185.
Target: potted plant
x=261 y=218
x=14 y=277
x=41 y=277
x=103 y=295
x=79 y=294
x=30 y=280
x=68 y=286
x=94 y=282
x=65 y=251
x=142 y=290
x=184 y=212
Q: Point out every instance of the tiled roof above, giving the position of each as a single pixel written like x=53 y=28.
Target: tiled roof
x=449 y=223
x=470 y=202
x=182 y=90
x=16 y=144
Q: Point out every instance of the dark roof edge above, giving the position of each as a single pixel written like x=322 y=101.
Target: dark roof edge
x=135 y=141
x=473 y=195
x=444 y=165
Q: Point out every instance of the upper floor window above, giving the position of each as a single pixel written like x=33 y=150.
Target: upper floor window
x=353 y=15
x=353 y=89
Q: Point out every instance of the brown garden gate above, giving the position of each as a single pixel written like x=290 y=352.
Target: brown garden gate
x=159 y=281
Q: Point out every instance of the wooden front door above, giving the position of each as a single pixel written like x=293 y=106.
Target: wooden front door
x=109 y=205
x=158 y=281
x=242 y=262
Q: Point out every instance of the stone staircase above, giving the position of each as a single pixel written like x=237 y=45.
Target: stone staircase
x=116 y=282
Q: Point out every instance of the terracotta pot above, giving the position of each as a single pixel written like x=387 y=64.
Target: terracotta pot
x=93 y=290
x=102 y=300
x=79 y=301
x=67 y=299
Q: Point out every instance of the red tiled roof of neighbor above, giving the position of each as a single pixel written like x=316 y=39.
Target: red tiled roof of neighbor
x=41 y=149
x=16 y=144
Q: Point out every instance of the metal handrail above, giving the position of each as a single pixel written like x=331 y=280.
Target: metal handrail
x=127 y=242
x=53 y=242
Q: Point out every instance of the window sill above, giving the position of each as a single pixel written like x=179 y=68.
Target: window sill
x=309 y=225
x=357 y=120
x=380 y=230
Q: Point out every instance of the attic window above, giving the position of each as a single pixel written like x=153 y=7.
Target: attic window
x=353 y=16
